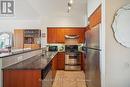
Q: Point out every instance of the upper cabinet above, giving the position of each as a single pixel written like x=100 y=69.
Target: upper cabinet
x=51 y=33
x=29 y=38
x=60 y=35
x=57 y=35
x=18 y=38
x=95 y=18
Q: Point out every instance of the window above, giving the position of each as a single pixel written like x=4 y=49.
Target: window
x=5 y=40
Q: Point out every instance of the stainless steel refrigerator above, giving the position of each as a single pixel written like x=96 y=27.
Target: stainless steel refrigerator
x=92 y=61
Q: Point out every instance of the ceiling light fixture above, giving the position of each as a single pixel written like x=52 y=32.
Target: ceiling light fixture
x=70 y=5
x=71 y=1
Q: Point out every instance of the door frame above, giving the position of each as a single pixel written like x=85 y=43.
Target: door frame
x=102 y=45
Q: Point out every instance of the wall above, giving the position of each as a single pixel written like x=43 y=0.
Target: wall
x=117 y=56
x=10 y=25
x=0 y=73
x=92 y=5
x=25 y=17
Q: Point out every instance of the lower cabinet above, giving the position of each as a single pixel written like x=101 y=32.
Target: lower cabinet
x=22 y=78
x=61 y=61
x=32 y=78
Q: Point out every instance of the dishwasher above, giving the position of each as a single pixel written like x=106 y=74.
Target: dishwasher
x=47 y=76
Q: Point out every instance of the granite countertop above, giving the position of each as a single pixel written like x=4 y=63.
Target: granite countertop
x=38 y=62
x=3 y=55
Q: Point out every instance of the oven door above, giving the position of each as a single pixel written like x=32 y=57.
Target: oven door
x=72 y=59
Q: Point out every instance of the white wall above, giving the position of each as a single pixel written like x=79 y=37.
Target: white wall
x=0 y=73
x=92 y=5
x=117 y=56
x=10 y=25
x=25 y=17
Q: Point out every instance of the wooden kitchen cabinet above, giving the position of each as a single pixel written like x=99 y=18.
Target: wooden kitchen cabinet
x=60 y=35
x=81 y=33
x=22 y=78
x=57 y=35
x=95 y=18
x=18 y=38
x=28 y=38
x=51 y=35
x=61 y=60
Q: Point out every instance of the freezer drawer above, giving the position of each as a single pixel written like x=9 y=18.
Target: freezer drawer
x=92 y=68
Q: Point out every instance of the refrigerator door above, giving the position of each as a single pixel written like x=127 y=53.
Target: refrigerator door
x=92 y=68
x=92 y=37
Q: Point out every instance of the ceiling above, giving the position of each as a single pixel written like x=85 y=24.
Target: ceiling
x=47 y=11
x=58 y=7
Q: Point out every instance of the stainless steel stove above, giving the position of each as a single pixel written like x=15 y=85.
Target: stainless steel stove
x=72 y=58
x=72 y=61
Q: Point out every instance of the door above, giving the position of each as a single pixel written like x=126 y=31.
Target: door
x=61 y=60
x=60 y=35
x=18 y=38
x=51 y=35
x=92 y=68
x=22 y=78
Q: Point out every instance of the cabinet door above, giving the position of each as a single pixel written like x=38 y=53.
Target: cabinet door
x=81 y=33
x=51 y=35
x=61 y=60
x=60 y=35
x=22 y=78
x=18 y=38
x=95 y=18
x=54 y=66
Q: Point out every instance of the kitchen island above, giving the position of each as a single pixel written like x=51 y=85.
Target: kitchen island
x=30 y=72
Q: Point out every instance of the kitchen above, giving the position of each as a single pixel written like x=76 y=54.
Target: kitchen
x=64 y=43
x=36 y=56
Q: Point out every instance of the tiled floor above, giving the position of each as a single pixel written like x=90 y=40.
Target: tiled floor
x=69 y=79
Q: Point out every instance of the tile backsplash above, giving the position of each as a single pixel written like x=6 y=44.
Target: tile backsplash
x=61 y=47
